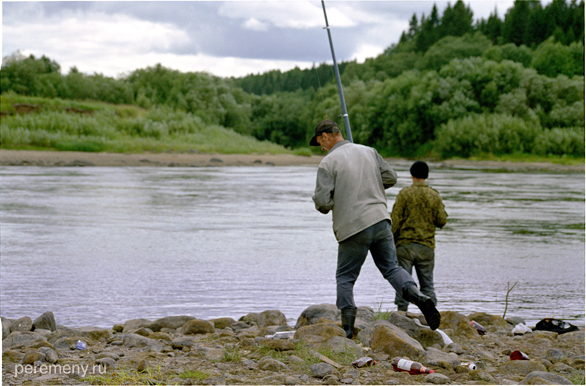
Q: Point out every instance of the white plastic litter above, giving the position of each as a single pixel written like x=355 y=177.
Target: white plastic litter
x=521 y=329
x=281 y=335
x=445 y=336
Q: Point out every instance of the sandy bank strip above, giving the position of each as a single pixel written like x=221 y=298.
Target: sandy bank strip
x=62 y=158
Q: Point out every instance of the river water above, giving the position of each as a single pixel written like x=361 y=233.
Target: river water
x=99 y=246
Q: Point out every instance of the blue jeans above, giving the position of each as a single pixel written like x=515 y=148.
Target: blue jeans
x=352 y=252
x=423 y=259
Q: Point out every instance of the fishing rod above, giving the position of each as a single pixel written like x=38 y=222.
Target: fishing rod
x=344 y=111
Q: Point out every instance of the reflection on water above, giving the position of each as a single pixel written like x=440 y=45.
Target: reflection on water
x=99 y=246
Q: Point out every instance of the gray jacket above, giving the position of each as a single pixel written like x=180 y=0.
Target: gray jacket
x=351 y=182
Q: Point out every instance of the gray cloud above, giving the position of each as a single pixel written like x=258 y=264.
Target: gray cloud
x=224 y=38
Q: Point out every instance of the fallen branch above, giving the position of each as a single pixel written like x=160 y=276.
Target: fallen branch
x=509 y=289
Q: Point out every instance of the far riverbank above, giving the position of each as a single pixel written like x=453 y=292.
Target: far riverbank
x=60 y=158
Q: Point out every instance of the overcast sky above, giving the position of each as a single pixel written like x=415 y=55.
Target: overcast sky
x=224 y=38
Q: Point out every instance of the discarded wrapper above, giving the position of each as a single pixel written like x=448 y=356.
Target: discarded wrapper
x=80 y=345
x=364 y=362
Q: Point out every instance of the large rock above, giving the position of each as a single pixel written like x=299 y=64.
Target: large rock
x=94 y=333
x=197 y=326
x=6 y=325
x=271 y=318
x=364 y=317
x=279 y=344
x=544 y=378
x=458 y=323
x=488 y=320
x=318 y=333
x=19 y=339
x=314 y=313
x=23 y=324
x=135 y=324
x=45 y=322
x=521 y=367
x=222 y=323
x=341 y=345
x=434 y=357
x=139 y=341
x=172 y=322
x=423 y=335
x=392 y=340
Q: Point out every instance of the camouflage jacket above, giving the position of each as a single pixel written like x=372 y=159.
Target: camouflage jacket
x=417 y=211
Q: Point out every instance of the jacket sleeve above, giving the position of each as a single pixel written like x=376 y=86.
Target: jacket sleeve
x=324 y=191
x=397 y=215
x=388 y=175
x=441 y=217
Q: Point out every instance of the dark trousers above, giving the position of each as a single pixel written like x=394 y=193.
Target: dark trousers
x=423 y=259
x=352 y=252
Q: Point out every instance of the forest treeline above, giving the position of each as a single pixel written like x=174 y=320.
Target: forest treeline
x=450 y=87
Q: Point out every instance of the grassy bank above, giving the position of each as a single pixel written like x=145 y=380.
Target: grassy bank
x=30 y=123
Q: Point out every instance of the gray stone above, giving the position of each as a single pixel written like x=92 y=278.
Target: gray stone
x=482 y=375
x=543 y=377
x=364 y=317
x=320 y=370
x=139 y=341
x=318 y=333
x=135 y=324
x=197 y=326
x=572 y=337
x=271 y=318
x=554 y=355
x=561 y=368
x=433 y=357
x=250 y=318
x=51 y=355
x=180 y=342
x=215 y=354
x=314 y=313
x=291 y=380
x=106 y=363
x=341 y=344
x=6 y=325
x=436 y=378
x=279 y=344
x=222 y=323
x=172 y=322
x=45 y=321
x=514 y=320
x=23 y=324
x=394 y=341
x=270 y=364
x=31 y=357
x=521 y=367
x=19 y=339
x=94 y=333
x=423 y=335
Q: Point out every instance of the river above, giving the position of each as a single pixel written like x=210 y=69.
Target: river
x=99 y=246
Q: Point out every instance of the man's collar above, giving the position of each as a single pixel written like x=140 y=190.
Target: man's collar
x=419 y=183
x=337 y=145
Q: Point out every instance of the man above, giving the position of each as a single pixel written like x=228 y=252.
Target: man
x=417 y=211
x=351 y=182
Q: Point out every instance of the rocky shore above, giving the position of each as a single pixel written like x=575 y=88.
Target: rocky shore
x=185 y=350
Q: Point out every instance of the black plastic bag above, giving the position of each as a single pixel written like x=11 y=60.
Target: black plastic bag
x=555 y=325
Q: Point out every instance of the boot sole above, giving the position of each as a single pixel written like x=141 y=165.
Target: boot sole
x=432 y=315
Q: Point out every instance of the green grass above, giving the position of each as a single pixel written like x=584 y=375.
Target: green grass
x=104 y=127
x=195 y=374
x=123 y=376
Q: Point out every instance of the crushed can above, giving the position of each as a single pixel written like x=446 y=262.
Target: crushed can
x=519 y=356
x=364 y=362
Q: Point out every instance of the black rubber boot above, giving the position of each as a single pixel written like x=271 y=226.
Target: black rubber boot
x=425 y=304
x=348 y=319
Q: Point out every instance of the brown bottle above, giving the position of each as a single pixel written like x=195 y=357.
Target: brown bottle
x=412 y=367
